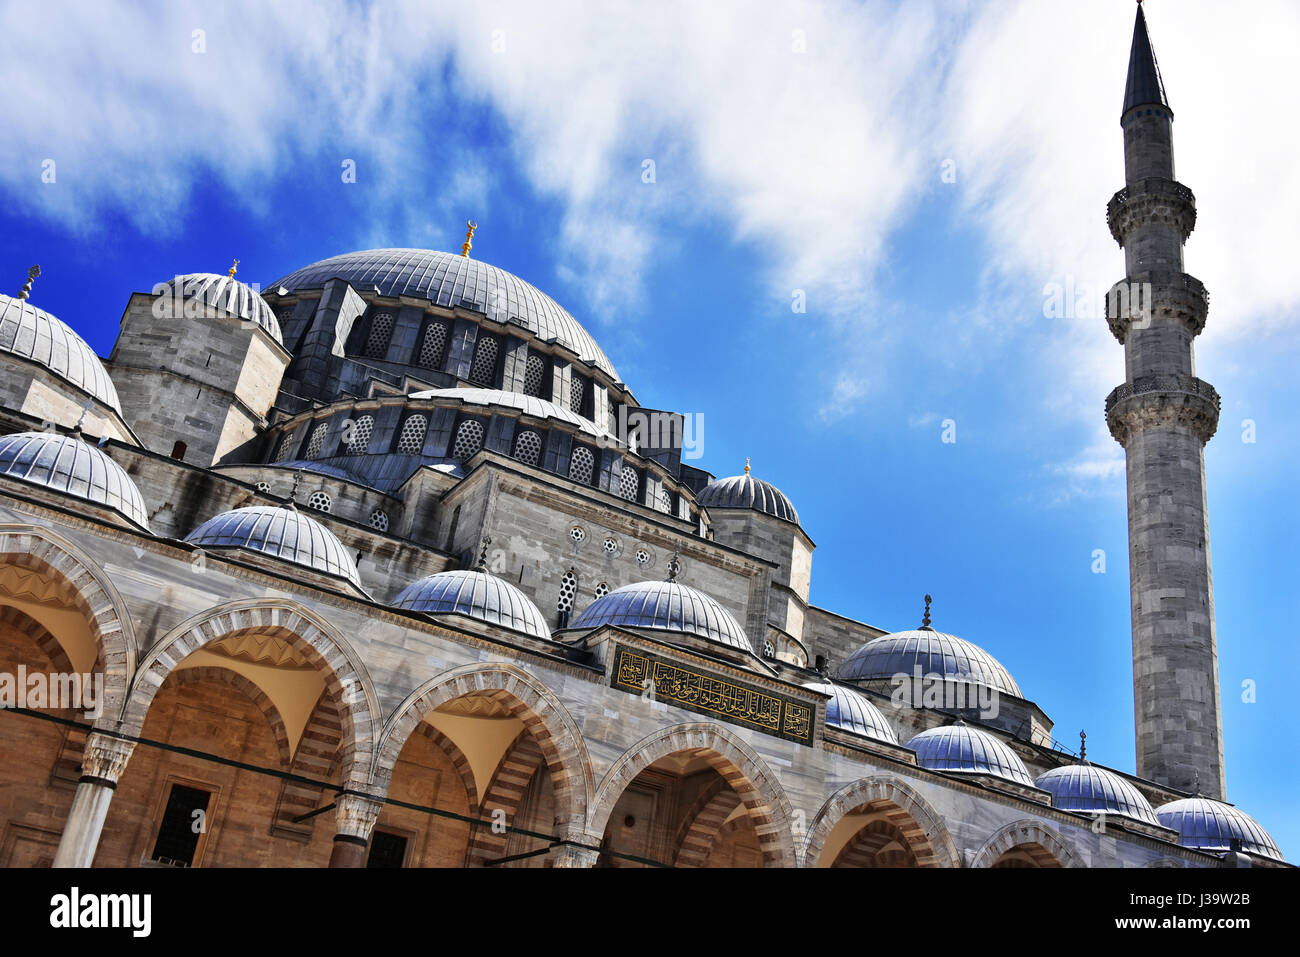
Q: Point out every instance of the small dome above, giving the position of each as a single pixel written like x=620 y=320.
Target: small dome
x=1093 y=790
x=666 y=606
x=34 y=334
x=965 y=750
x=474 y=594
x=744 y=491
x=69 y=464
x=934 y=653
x=1212 y=826
x=283 y=532
x=849 y=710
x=224 y=293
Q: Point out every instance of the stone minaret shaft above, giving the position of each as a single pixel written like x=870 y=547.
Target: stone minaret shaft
x=1163 y=415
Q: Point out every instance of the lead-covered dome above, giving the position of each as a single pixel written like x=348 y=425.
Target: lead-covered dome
x=1213 y=826
x=69 y=464
x=31 y=333
x=961 y=749
x=1088 y=789
x=666 y=606
x=745 y=491
x=226 y=294
x=280 y=531
x=452 y=280
x=849 y=710
x=934 y=653
x=474 y=594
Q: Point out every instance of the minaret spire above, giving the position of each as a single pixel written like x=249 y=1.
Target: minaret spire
x=1163 y=415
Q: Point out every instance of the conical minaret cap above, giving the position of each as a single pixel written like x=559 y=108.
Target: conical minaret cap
x=1145 y=86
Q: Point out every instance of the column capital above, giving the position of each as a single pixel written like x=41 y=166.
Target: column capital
x=105 y=758
x=355 y=815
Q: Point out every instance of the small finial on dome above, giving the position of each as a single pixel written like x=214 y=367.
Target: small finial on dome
x=1083 y=746
x=674 y=568
x=482 y=554
x=233 y=267
x=746 y=464
x=471 y=226
x=1196 y=782
x=27 y=286
x=293 y=492
x=85 y=408
x=925 y=621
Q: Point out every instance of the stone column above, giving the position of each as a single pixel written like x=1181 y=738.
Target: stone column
x=354 y=816
x=102 y=764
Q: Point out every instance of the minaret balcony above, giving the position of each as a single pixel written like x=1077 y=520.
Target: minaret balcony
x=1155 y=401
x=1153 y=200
x=1156 y=295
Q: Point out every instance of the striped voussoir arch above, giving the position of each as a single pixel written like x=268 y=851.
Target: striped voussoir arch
x=921 y=828
x=703 y=823
x=522 y=761
x=1039 y=843
x=867 y=848
x=458 y=760
x=224 y=676
x=740 y=766
x=316 y=757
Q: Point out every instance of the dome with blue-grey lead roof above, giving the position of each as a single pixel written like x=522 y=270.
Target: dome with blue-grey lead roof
x=31 y=333
x=1088 y=789
x=961 y=749
x=1214 y=826
x=666 y=606
x=452 y=280
x=933 y=652
x=226 y=294
x=849 y=710
x=283 y=532
x=67 y=463
x=475 y=594
x=745 y=491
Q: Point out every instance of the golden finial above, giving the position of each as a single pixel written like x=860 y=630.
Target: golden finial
x=746 y=464
x=233 y=266
x=464 y=250
x=27 y=286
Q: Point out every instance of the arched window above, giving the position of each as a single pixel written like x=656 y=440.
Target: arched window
x=469 y=439
x=602 y=589
x=433 y=345
x=534 y=373
x=665 y=501
x=528 y=447
x=317 y=440
x=577 y=392
x=379 y=520
x=629 y=482
x=582 y=465
x=359 y=439
x=320 y=501
x=381 y=331
x=483 y=370
x=568 y=589
x=263 y=487
x=285 y=449
x=411 y=439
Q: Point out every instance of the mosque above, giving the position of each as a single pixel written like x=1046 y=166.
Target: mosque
x=365 y=568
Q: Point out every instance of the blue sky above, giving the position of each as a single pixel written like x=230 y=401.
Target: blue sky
x=795 y=147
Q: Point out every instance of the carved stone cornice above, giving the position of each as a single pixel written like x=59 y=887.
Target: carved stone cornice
x=1162 y=400
x=1152 y=200
x=1152 y=296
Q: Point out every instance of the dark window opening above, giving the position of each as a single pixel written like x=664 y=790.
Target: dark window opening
x=184 y=820
x=386 y=850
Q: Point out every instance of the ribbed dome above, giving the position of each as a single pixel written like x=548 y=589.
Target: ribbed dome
x=744 y=491
x=963 y=749
x=283 y=532
x=477 y=595
x=225 y=294
x=452 y=280
x=32 y=333
x=934 y=652
x=849 y=710
x=69 y=464
x=666 y=606
x=1093 y=790
x=1211 y=826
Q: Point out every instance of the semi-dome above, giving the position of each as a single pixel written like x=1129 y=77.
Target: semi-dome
x=745 y=491
x=849 y=710
x=666 y=606
x=69 y=464
x=961 y=749
x=454 y=280
x=1213 y=826
x=474 y=594
x=225 y=294
x=280 y=531
x=934 y=653
x=31 y=333
x=1088 y=789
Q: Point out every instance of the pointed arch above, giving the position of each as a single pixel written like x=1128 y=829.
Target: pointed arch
x=185 y=676
x=918 y=822
x=748 y=774
x=1043 y=845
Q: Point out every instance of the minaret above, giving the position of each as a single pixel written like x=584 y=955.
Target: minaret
x=1163 y=415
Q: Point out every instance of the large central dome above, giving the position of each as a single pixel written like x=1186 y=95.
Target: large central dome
x=452 y=280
